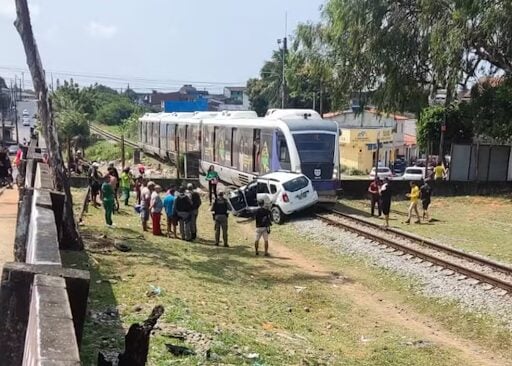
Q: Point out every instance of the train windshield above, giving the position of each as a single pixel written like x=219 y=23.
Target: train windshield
x=315 y=147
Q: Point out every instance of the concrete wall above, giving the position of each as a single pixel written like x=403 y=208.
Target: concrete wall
x=359 y=188
x=42 y=305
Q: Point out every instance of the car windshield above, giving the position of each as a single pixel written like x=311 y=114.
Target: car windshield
x=295 y=184
x=315 y=147
x=414 y=171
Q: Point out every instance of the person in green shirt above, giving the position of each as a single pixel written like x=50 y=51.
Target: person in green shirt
x=126 y=184
x=212 y=177
x=107 y=196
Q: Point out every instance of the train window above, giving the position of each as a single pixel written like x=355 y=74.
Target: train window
x=273 y=188
x=263 y=187
x=256 y=150
x=215 y=150
x=315 y=147
x=235 y=156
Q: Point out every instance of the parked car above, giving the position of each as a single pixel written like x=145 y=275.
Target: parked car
x=283 y=192
x=414 y=173
x=382 y=173
x=13 y=149
x=26 y=121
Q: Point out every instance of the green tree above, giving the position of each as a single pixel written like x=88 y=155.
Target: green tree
x=116 y=111
x=258 y=99
x=490 y=109
x=458 y=128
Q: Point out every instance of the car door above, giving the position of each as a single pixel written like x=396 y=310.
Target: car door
x=237 y=201
x=263 y=192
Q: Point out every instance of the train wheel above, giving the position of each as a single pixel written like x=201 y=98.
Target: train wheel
x=277 y=215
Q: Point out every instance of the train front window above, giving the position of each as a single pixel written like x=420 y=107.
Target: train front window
x=315 y=147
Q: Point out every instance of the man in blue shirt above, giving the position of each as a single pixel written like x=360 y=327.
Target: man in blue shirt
x=169 y=206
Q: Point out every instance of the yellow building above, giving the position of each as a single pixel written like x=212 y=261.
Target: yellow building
x=358 y=147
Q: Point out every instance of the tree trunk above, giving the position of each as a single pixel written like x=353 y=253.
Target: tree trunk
x=70 y=238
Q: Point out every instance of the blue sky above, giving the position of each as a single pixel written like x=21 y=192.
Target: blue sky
x=153 y=43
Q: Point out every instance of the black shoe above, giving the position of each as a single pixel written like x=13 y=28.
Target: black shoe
x=217 y=244
x=227 y=246
x=257 y=253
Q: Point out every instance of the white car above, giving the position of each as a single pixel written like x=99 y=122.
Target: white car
x=26 y=121
x=414 y=173
x=382 y=173
x=283 y=192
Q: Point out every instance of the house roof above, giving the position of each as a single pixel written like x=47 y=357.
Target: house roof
x=236 y=88
x=396 y=117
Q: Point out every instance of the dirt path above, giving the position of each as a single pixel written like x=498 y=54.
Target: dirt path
x=8 y=213
x=382 y=307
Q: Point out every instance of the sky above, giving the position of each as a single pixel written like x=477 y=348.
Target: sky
x=152 y=44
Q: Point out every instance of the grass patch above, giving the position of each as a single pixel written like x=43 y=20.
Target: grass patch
x=246 y=304
x=103 y=150
x=474 y=223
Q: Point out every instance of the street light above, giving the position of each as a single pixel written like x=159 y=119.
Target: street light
x=284 y=50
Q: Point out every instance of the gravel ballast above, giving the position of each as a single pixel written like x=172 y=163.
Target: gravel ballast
x=434 y=281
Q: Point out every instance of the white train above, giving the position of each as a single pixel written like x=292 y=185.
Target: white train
x=242 y=146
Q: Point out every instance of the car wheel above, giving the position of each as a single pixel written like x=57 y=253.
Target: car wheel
x=277 y=215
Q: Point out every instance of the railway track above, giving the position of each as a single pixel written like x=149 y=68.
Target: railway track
x=111 y=136
x=481 y=269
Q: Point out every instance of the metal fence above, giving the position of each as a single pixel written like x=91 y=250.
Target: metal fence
x=483 y=163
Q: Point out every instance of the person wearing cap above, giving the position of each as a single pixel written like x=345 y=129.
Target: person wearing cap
x=195 y=197
x=126 y=184
x=183 y=208
x=220 y=212
x=263 y=223
x=156 y=207
x=107 y=197
x=94 y=177
x=145 y=202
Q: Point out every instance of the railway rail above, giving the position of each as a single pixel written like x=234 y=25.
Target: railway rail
x=111 y=136
x=481 y=269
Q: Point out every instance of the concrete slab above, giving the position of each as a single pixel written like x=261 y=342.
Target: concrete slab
x=8 y=214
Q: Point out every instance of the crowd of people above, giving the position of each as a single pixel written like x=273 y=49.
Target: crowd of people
x=180 y=206
x=381 y=192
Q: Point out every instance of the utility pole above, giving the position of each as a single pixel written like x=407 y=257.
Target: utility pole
x=377 y=160
x=284 y=50
x=14 y=99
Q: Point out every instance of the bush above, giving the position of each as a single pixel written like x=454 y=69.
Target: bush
x=115 y=112
x=107 y=151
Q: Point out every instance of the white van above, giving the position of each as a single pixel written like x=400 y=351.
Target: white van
x=414 y=173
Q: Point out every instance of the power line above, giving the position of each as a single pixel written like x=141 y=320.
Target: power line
x=131 y=79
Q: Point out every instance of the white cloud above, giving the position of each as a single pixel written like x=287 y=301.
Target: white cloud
x=98 y=30
x=8 y=9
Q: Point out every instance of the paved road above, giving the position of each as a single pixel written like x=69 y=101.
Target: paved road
x=8 y=213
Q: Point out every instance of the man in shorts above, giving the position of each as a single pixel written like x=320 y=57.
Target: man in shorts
x=425 y=194
x=145 y=202
x=263 y=223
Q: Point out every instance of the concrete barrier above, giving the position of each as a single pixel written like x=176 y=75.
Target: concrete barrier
x=358 y=188
x=42 y=305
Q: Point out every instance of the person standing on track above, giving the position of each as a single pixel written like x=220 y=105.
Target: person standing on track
x=385 y=197
x=426 y=194
x=107 y=196
x=413 y=206
x=212 y=177
x=373 y=189
x=220 y=212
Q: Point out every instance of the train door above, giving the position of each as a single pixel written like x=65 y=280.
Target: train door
x=283 y=152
